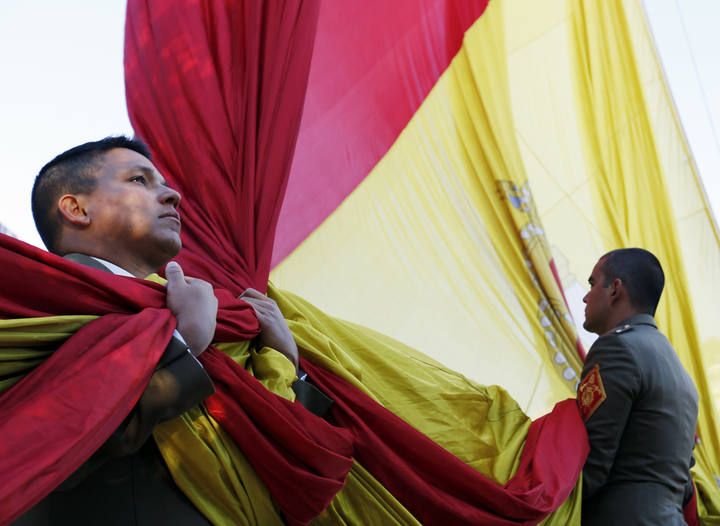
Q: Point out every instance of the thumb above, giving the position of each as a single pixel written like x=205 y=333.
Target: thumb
x=174 y=273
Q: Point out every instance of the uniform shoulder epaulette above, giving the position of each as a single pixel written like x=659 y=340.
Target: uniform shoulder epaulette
x=622 y=329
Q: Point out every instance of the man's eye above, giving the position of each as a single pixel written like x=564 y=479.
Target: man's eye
x=138 y=179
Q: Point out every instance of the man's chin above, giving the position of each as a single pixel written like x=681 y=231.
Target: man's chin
x=170 y=247
x=176 y=250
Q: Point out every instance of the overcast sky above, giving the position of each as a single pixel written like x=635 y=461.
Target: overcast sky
x=63 y=85
x=687 y=37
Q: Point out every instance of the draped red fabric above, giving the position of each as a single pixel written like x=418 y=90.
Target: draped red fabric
x=42 y=284
x=52 y=420
x=297 y=453
x=437 y=487
x=690 y=510
x=216 y=89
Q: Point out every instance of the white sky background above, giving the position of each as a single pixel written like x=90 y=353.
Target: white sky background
x=687 y=35
x=62 y=85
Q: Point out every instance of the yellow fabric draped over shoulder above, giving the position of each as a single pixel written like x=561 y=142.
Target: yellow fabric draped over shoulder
x=26 y=342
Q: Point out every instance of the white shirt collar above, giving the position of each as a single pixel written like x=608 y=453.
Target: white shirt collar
x=112 y=267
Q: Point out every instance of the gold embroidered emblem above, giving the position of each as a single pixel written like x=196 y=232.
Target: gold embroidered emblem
x=591 y=393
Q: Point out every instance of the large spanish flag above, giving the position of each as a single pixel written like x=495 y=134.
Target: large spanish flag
x=387 y=151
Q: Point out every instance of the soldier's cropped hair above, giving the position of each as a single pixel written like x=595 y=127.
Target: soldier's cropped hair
x=641 y=274
x=71 y=172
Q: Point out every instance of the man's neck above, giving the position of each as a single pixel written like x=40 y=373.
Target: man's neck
x=618 y=317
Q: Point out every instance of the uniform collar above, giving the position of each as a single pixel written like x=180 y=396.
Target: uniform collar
x=639 y=319
x=98 y=263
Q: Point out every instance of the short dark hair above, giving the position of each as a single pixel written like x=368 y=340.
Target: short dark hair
x=71 y=172
x=641 y=274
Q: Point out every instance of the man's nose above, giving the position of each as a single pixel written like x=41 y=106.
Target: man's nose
x=169 y=196
x=585 y=298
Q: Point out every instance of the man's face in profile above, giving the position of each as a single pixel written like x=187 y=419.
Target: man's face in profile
x=597 y=301
x=132 y=210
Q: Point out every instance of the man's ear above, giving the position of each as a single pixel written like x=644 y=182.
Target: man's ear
x=616 y=286
x=72 y=210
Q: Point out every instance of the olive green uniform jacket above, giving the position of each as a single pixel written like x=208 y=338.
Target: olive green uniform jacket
x=640 y=408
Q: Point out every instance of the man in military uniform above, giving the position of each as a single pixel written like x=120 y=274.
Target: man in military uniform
x=638 y=402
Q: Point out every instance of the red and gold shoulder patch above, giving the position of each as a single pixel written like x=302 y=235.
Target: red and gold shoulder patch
x=591 y=393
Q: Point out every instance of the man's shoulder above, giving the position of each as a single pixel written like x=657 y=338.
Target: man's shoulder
x=642 y=343
x=631 y=344
x=635 y=335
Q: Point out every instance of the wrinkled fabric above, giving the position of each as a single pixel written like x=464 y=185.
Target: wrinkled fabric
x=56 y=410
x=485 y=461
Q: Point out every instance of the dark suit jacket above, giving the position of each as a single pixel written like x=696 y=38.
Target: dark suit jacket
x=642 y=434
x=126 y=482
